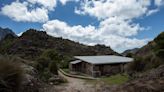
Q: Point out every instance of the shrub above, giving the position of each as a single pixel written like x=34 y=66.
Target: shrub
x=45 y=75
x=160 y=53
x=11 y=75
x=160 y=41
x=137 y=66
x=51 y=54
x=129 y=55
x=42 y=63
x=53 y=68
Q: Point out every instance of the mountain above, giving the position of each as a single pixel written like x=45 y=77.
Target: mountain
x=152 y=47
x=149 y=56
x=5 y=31
x=132 y=51
x=32 y=43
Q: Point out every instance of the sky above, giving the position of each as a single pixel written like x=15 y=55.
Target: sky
x=120 y=24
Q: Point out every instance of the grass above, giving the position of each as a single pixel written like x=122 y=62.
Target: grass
x=66 y=70
x=115 y=79
x=112 y=80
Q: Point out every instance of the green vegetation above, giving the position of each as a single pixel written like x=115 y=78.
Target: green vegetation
x=112 y=80
x=151 y=60
x=136 y=66
x=115 y=79
x=159 y=40
x=47 y=64
x=11 y=75
x=7 y=43
x=159 y=49
x=66 y=70
x=53 y=68
x=42 y=63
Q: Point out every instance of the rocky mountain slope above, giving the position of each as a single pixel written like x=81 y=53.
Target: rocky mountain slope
x=132 y=51
x=152 y=47
x=32 y=43
x=5 y=31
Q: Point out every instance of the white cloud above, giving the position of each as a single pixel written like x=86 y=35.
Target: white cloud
x=117 y=26
x=159 y=2
x=91 y=35
x=126 y=9
x=150 y=12
x=19 y=12
x=63 y=2
x=49 y=4
x=25 y=11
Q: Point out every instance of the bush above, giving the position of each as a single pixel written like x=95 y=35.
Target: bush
x=51 y=54
x=46 y=68
x=160 y=53
x=45 y=75
x=42 y=63
x=53 y=68
x=11 y=75
x=129 y=55
x=137 y=66
x=160 y=41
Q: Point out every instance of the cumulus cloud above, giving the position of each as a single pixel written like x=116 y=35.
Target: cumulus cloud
x=24 y=11
x=63 y=2
x=19 y=12
x=126 y=9
x=159 y=2
x=91 y=35
x=49 y=4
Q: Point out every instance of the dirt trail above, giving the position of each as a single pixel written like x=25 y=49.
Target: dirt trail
x=73 y=85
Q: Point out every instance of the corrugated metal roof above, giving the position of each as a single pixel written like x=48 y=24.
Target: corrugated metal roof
x=75 y=62
x=108 y=59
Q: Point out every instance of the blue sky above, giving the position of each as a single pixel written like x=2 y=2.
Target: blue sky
x=111 y=22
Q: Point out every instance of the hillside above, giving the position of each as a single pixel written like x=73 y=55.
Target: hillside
x=32 y=43
x=131 y=51
x=149 y=56
x=152 y=47
x=5 y=31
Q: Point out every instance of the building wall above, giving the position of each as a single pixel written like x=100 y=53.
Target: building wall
x=97 y=70
x=107 y=69
x=87 y=68
x=82 y=67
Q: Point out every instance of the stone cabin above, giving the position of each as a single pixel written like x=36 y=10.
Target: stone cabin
x=96 y=66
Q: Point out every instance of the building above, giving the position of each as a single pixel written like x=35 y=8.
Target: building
x=99 y=65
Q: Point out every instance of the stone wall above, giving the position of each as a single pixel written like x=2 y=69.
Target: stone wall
x=108 y=69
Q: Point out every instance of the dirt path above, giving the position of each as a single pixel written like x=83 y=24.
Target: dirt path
x=73 y=85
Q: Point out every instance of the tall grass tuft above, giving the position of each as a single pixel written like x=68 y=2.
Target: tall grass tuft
x=11 y=75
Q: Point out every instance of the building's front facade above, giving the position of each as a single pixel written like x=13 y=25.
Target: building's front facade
x=99 y=65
